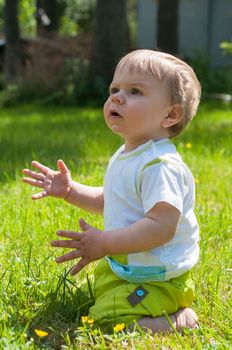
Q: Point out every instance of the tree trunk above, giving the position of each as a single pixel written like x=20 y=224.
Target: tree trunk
x=111 y=38
x=48 y=13
x=13 y=57
x=168 y=26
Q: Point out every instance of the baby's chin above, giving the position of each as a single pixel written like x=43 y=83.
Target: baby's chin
x=116 y=129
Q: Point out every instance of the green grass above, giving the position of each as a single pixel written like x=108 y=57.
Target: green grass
x=36 y=293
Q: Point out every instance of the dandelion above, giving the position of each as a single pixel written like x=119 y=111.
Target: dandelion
x=196 y=181
x=188 y=145
x=119 y=327
x=40 y=333
x=90 y=321
x=84 y=319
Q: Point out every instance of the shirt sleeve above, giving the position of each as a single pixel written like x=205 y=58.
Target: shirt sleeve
x=162 y=182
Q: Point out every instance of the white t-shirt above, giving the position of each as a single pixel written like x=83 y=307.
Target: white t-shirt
x=134 y=183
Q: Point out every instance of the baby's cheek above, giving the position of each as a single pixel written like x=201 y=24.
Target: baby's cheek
x=106 y=108
x=107 y=103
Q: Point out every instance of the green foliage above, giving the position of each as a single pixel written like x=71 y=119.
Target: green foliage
x=132 y=21
x=68 y=26
x=10 y=95
x=77 y=87
x=213 y=80
x=71 y=83
x=78 y=14
x=226 y=46
x=27 y=17
x=71 y=87
x=26 y=14
x=75 y=15
x=36 y=293
x=23 y=93
x=1 y=16
x=74 y=83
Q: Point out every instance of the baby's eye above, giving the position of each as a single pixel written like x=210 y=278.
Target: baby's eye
x=113 y=90
x=135 y=91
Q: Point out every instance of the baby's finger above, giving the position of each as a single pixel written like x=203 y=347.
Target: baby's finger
x=79 y=266
x=35 y=183
x=40 y=167
x=65 y=243
x=62 y=167
x=33 y=174
x=74 y=254
x=83 y=225
x=39 y=195
x=70 y=234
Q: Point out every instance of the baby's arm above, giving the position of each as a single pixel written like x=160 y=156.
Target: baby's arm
x=86 y=197
x=157 y=228
x=60 y=184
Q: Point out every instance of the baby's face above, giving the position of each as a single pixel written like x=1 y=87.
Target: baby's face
x=136 y=107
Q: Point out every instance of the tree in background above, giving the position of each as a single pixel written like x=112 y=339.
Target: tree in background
x=13 y=56
x=111 y=38
x=48 y=15
x=70 y=65
x=168 y=25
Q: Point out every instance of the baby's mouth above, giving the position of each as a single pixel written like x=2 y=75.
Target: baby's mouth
x=115 y=114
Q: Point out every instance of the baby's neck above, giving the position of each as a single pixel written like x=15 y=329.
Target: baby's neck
x=128 y=147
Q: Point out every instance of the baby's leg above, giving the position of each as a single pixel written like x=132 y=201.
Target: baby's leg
x=181 y=319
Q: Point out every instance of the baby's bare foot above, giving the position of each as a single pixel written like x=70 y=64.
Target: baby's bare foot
x=183 y=318
x=186 y=318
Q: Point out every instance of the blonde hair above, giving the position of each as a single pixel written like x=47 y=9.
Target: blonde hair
x=179 y=78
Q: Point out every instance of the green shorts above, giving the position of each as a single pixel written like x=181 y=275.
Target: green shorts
x=112 y=306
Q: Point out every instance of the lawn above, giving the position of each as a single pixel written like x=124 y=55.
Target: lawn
x=37 y=294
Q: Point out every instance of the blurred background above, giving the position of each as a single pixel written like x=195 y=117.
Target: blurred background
x=55 y=57
x=65 y=51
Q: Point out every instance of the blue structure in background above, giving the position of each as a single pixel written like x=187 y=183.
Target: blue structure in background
x=202 y=26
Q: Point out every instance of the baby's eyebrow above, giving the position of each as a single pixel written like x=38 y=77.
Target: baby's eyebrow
x=137 y=83
x=130 y=83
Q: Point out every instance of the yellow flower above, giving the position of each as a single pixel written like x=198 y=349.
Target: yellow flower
x=119 y=327
x=90 y=322
x=196 y=181
x=188 y=145
x=40 y=333
x=84 y=319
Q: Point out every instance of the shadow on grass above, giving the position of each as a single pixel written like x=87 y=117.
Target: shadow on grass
x=61 y=313
x=80 y=137
x=47 y=134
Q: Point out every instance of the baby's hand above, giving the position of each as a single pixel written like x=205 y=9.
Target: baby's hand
x=88 y=246
x=54 y=183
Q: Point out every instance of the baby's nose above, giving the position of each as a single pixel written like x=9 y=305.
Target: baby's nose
x=118 y=97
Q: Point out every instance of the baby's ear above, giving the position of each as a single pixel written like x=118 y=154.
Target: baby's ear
x=175 y=114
